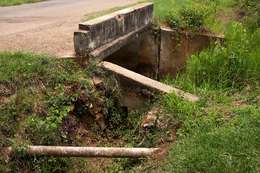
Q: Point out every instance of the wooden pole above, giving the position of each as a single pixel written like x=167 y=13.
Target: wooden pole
x=68 y=151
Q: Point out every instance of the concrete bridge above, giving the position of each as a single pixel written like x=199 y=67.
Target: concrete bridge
x=105 y=35
x=137 y=50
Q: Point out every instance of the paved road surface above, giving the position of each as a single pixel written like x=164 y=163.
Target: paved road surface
x=48 y=26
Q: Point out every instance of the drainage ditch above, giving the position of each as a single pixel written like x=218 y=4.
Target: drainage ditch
x=128 y=41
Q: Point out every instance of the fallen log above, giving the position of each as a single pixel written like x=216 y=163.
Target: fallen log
x=68 y=151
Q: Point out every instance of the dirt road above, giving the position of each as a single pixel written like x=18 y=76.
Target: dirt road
x=47 y=27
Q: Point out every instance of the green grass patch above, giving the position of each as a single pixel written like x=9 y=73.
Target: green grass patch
x=220 y=132
x=44 y=99
x=111 y=10
x=16 y=2
x=233 y=64
x=207 y=15
x=233 y=147
x=36 y=106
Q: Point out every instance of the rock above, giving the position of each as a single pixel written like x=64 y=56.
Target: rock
x=97 y=81
x=150 y=118
x=100 y=121
x=149 y=121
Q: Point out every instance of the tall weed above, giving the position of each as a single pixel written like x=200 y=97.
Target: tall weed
x=234 y=64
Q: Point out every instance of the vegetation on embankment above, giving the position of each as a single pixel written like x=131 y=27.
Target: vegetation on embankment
x=46 y=101
x=43 y=101
x=206 y=14
x=16 y=2
x=220 y=133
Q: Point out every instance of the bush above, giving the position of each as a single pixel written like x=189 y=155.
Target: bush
x=190 y=18
x=173 y=20
x=251 y=9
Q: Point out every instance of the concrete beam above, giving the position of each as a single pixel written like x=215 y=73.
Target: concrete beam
x=148 y=82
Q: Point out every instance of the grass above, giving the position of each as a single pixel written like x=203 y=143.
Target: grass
x=230 y=147
x=207 y=15
x=46 y=101
x=220 y=133
x=35 y=106
x=42 y=104
x=111 y=10
x=234 y=64
x=217 y=134
x=16 y=2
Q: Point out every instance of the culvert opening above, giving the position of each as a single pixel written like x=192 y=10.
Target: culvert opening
x=139 y=55
x=136 y=57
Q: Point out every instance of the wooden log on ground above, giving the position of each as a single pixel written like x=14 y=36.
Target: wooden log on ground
x=68 y=151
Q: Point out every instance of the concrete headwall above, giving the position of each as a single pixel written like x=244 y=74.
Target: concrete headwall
x=160 y=52
x=127 y=38
x=95 y=33
x=177 y=47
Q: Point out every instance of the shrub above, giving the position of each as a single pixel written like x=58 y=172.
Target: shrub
x=173 y=20
x=192 y=18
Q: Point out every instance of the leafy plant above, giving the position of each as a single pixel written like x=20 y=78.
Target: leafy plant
x=192 y=18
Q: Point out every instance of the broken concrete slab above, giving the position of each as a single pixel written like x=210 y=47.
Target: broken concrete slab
x=100 y=31
x=148 y=82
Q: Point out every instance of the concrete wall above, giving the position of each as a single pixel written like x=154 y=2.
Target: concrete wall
x=176 y=47
x=160 y=52
x=126 y=38
x=95 y=33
